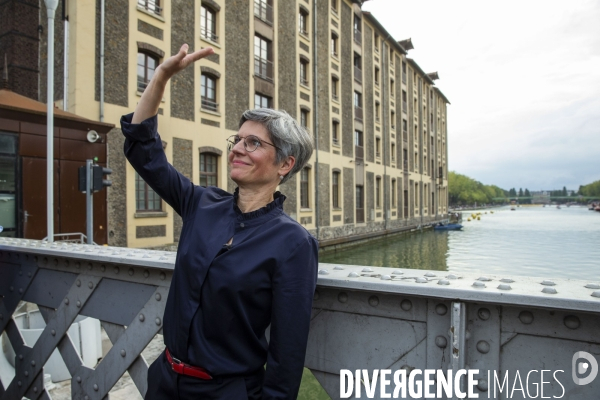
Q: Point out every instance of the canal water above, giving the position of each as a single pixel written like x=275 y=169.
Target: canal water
x=531 y=241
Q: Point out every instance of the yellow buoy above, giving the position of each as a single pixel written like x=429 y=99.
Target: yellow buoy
x=478 y=219
x=468 y=219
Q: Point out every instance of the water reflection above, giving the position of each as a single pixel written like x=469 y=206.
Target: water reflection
x=416 y=251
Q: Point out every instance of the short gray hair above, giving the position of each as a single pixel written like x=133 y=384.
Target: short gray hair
x=291 y=138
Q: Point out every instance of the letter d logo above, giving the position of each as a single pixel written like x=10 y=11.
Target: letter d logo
x=582 y=367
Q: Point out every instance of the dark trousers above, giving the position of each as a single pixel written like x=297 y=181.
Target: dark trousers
x=166 y=384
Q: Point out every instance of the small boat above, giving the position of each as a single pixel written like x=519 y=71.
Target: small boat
x=448 y=227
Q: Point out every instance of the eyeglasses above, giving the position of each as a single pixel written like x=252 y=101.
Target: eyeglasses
x=251 y=142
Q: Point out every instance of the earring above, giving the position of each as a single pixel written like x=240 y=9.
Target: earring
x=280 y=177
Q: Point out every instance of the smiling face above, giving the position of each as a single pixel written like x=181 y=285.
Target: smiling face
x=256 y=169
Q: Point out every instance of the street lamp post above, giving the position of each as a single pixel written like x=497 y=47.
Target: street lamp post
x=51 y=9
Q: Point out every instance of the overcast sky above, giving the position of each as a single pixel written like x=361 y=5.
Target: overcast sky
x=523 y=79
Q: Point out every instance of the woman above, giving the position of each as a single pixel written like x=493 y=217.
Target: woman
x=242 y=264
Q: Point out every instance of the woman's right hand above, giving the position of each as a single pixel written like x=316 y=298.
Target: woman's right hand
x=180 y=61
x=151 y=98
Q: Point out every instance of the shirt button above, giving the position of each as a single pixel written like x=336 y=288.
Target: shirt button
x=242 y=225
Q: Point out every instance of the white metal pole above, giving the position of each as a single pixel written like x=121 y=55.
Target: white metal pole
x=51 y=8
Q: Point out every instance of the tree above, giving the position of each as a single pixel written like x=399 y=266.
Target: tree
x=463 y=190
x=512 y=193
x=520 y=192
x=564 y=191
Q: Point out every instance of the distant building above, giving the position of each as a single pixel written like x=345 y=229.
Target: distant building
x=379 y=121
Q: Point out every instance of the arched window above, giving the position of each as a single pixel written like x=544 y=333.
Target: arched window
x=208 y=23
x=208 y=92
x=209 y=163
x=146 y=64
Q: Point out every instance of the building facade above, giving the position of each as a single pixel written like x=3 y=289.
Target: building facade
x=379 y=121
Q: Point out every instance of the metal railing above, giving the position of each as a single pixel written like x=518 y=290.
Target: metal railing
x=151 y=6
x=358 y=113
x=357 y=74
x=75 y=237
x=391 y=319
x=263 y=11
x=209 y=34
x=210 y=105
x=263 y=68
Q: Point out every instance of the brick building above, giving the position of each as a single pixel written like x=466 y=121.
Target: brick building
x=379 y=121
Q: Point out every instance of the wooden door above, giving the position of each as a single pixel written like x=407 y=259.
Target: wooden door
x=34 y=213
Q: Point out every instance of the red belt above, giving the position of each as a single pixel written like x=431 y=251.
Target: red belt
x=186 y=369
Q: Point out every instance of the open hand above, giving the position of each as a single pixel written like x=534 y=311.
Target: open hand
x=181 y=60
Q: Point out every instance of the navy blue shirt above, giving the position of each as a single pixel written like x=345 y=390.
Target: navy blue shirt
x=223 y=298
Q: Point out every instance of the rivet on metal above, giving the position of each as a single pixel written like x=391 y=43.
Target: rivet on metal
x=316 y=295
x=77 y=265
x=397 y=273
x=367 y=269
x=484 y=313
x=507 y=280
x=323 y=272
x=19 y=383
x=78 y=283
x=526 y=317
x=482 y=385
x=45 y=260
x=20 y=356
x=26 y=373
x=67 y=301
x=373 y=301
x=451 y=276
x=548 y=283
x=11 y=288
x=592 y=286
x=504 y=286
x=116 y=270
x=123 y=353
x=572 y=322
x=157 y=296
x=53 y=332
x=430 y=274
x=78 y=379
x=90 y=266
x=91 y=285
x=162 y=276
x=130 y=271
x=141 y=317
x=596 y=293
x=33 y=363
x=95 y=387
x=484 y=279
x=55 y=261
x=421 y=280
x=441 y=342
x=386 y=278
x=441 y=309
x=343 y=297
x=549 y=290
x=477 y=284
x=146 y=274
x=443 y=282
x=158 y=321
x=353 y=275
x=35 y=389
x=78 y=304
x=483 y=347
x=21 y=291
x=103 y=268
x=337 y=267
x=29 y=274
x=406 y=305
x=66 y=262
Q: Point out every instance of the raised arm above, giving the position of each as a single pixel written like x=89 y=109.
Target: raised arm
x=152 y=96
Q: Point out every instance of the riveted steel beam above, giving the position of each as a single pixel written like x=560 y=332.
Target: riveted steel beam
x=30 y=362
x=95 y=384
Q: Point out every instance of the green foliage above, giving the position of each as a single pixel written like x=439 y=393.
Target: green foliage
x=463 y=190
x=591 y=189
